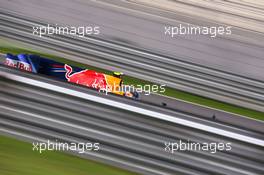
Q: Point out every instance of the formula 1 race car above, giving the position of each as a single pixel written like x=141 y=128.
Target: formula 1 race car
x=89 y=78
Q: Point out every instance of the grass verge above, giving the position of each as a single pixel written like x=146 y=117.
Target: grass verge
x=17 y=158
x=169 y=91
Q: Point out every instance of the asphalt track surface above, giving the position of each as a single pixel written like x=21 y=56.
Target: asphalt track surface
x=128 y=139
x=200 y=111
x=146 y=30
x=177 y=74
x=222 y=54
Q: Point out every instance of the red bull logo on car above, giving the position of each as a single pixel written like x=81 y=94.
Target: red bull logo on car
x=18 y=64
x=86 y=77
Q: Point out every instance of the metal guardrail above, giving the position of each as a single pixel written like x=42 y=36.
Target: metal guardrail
x=41 y=108
x=189 y=77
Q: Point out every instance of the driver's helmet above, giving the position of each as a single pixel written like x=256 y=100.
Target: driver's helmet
x=117 y=74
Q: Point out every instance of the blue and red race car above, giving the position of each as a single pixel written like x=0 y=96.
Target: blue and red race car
x=89 y=78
